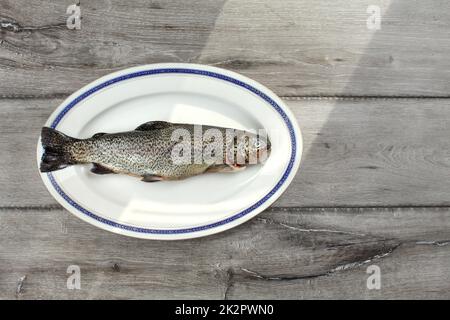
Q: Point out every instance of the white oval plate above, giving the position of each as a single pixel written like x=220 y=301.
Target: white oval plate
x=184 y=93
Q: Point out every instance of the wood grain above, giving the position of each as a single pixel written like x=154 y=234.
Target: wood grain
x=372 y=188
x=357 y=152
x=293 y=47
x=311 y=253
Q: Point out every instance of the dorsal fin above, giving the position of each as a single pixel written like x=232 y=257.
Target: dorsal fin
x=99 y=134
x=152 y=125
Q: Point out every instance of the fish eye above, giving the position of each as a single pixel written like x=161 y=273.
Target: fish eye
x=257 y=144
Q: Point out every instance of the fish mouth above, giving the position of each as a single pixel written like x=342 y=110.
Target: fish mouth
x=268 y=145
x=264 y=153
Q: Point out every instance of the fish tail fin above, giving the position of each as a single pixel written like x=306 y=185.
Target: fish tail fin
x=55 y=155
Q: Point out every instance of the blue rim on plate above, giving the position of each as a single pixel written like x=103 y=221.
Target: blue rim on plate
x=216 y=75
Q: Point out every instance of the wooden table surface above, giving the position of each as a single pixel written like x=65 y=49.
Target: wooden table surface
x=374 y=187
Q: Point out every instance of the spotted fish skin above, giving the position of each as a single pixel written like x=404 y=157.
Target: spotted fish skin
x=145 y=152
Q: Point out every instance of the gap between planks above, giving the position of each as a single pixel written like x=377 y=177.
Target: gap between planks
x=362 y=98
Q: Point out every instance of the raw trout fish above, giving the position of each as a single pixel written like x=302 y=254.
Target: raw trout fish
x=148 y=151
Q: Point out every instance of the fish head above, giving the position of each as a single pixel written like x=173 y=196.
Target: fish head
x=252 y=148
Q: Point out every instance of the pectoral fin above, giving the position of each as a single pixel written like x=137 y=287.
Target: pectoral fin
x=99 y=169
x=151 y=178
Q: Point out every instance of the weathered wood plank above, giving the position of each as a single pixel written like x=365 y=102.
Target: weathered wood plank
x=410 y=272
x=356 y=153
x=280 y=254
x=293 y=47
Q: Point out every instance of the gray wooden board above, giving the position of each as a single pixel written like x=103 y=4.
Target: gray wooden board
x=288 y=253
x=374 y=180
x=294 y=47
x=357 y=152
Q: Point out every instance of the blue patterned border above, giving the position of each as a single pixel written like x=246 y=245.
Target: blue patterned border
x=182 y=71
